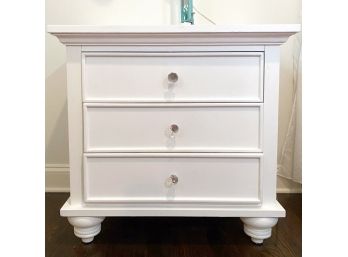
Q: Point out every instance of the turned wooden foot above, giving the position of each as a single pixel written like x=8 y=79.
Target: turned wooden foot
x=86 y=227
x=259 y=228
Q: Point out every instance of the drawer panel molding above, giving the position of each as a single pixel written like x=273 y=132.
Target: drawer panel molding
x=149 y=127
x=201 y=178
x=201 y=77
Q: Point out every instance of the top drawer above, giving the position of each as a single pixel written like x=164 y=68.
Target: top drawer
x=172 y=77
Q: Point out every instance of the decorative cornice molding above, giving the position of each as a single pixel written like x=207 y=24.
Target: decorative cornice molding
x=174 y=35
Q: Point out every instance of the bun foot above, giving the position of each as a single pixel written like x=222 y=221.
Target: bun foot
x=259 y=228
x=86 y=227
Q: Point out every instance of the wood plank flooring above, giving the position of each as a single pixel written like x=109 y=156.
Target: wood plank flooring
x=174 y=237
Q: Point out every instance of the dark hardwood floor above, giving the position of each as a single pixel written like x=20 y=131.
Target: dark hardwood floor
x=179 y=237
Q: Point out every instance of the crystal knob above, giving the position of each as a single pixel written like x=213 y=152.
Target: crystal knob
x=173 y=179
x=174 y=129
x=173 y=77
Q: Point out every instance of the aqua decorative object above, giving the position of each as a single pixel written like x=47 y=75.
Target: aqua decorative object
x=187 y=11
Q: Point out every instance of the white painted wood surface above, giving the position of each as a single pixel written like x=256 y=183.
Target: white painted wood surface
x=146 y=127
x=187 y=210
x=270 y=129
x=263 y=29
x=267 y=34
x=225 y=151
x=259 y=228
x=136 y=77
x=139 y=179
x=75 y=119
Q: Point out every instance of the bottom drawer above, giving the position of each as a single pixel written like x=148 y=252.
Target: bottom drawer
x=189 y=178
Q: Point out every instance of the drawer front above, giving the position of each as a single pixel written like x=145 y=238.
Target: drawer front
x=129 y=179
x=172 y=127
x=199 y=77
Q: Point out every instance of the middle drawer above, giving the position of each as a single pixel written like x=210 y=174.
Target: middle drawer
x=172 y=127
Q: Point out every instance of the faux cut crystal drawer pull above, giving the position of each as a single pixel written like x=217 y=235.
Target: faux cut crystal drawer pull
x=174 y=129
x=173 y=77
x=173 y=179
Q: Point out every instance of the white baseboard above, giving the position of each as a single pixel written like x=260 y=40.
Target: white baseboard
x=288 y=186
x=57 y=180
x=289 y=190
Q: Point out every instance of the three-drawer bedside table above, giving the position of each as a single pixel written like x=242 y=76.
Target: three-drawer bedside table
x=173 y=121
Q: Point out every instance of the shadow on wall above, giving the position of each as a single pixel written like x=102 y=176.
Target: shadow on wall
x=56 y=116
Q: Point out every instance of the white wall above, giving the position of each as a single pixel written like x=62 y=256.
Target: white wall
x=150 y=12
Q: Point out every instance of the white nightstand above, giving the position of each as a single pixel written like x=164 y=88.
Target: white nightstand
x=173 y=121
